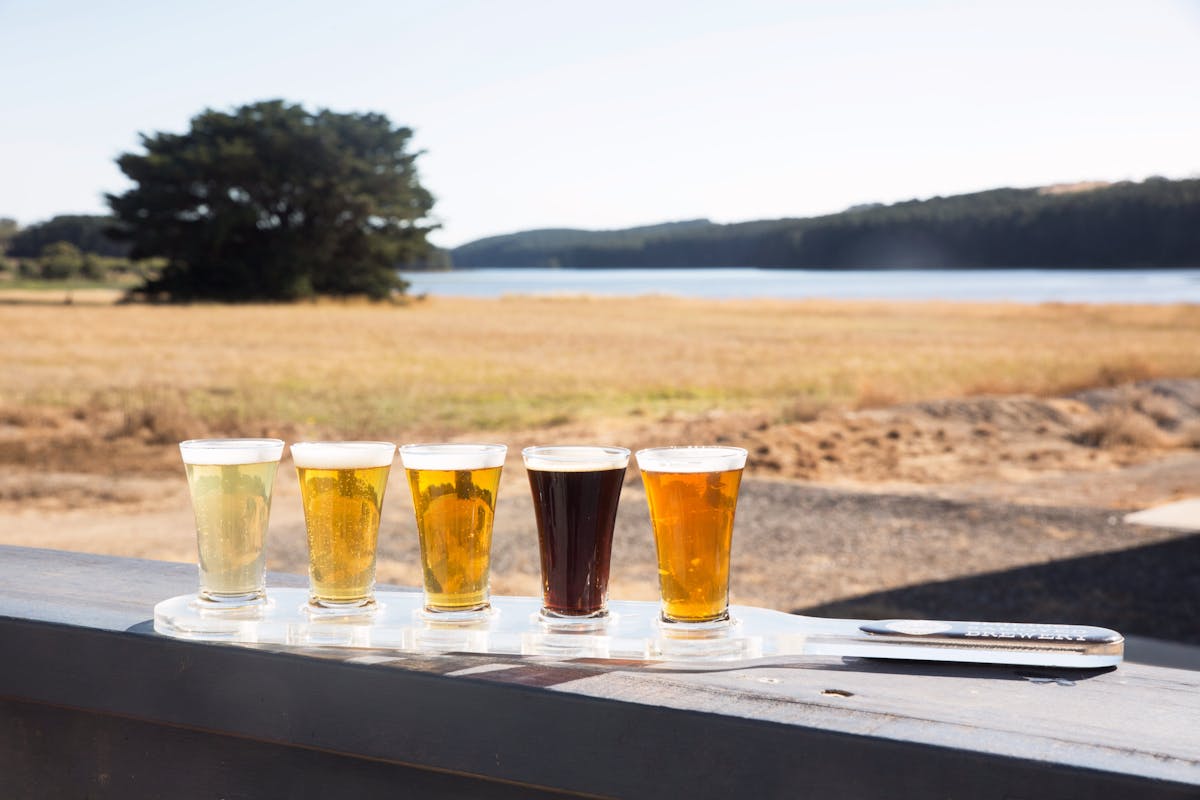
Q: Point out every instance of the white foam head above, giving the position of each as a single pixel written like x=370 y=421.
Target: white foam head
x=575 y=458
x=224 y=452
x=343 y=455
x=691 y=459
x=452 y=456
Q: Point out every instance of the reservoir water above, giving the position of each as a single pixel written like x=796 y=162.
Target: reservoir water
x=1013 y=285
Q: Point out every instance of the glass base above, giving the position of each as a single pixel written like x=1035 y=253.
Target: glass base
x=713 y=639
x=571 y=623
x=698 y=628
x=207 y=603
x=329 y=609
x=470 y=616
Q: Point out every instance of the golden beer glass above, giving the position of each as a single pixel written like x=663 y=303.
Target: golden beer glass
x=454 y=490
x=230 y=482
x=692 y=494
x=342 y=486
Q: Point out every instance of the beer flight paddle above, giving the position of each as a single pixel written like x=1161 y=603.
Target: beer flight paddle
x=633 y=632
x=692 y=497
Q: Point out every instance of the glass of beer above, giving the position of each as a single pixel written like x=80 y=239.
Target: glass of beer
x=692 y=493
x=230 y=482
x=575 y=495
x=342 y=486
x=454 y=499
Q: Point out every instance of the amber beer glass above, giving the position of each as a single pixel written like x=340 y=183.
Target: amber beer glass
x=230 y=482
x=454 y=499
x=692 y=493
x=342 y=486
x=575 y=495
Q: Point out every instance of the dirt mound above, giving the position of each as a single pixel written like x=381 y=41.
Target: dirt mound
x=1015 y=439
x=1022 y=446
x=102 y=439
x=1009 y=413
x=1171 y=404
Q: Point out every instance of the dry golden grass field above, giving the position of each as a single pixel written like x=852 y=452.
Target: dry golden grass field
x=445 y=366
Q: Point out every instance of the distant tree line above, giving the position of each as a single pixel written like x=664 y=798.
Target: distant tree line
x=1155 y=223
x=88 y=233
x=76 y=247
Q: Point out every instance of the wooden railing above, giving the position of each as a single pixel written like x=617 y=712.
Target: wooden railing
x=94 y=704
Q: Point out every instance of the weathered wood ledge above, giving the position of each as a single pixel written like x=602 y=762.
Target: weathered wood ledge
x=93 y=703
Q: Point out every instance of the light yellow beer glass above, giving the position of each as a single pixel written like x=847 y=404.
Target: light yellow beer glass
x=342 y=486
x=454 y=490
x=230 y=482
x=692 y=493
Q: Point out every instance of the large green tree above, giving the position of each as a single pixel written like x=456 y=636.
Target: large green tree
x=273 y=202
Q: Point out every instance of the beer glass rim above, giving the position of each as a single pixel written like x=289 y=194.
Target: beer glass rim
x=453 y=455
x=230 y=451
x=575 y=458
x=343 y=455
x=691 y=458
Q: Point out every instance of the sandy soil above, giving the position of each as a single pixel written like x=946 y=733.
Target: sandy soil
x=841 y=508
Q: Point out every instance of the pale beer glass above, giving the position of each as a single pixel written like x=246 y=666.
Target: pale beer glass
x=692 y=494
x=576 y=490
x=454 y=490
x=230 y=482
x=342 y=486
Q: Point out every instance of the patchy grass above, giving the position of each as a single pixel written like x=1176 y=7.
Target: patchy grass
x=445 y=366
x=1123 y=427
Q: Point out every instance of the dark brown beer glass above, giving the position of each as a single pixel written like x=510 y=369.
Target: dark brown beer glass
x=575 y=495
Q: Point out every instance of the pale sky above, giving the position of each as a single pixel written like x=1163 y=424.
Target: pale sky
x=605 y=115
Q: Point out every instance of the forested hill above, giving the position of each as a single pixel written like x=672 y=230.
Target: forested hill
x=1155 y=223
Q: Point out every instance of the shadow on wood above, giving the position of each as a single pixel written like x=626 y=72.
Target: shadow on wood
x=1147 y=591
